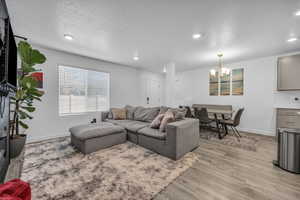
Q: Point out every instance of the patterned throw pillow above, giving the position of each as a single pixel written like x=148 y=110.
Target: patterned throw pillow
x=119 y=113
x=169 y=117
x=156 y=122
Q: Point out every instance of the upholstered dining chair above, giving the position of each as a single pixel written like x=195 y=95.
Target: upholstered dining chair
x=202 y=115
x=188 y=112
x=233 y=123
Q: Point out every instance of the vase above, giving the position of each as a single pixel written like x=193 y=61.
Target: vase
x=16 y=145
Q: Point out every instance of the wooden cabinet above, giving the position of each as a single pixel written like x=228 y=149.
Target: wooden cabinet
x=288 y=118
x=288 y=71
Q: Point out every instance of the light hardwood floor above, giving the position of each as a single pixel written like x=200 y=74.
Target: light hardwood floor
x=227 y=172
x=232 y=173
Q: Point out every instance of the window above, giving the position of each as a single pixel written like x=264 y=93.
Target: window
x=82 y=90
x=227 y=84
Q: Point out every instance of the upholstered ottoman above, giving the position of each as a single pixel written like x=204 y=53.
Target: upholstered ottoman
x=92 y=137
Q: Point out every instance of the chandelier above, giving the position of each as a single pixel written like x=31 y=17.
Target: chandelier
x=221 y=69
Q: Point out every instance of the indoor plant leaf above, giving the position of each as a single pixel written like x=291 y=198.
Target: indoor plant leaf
x=24 y=50
x=29 y=108
x=37 y=57
x=25 y=126
x=24 y=115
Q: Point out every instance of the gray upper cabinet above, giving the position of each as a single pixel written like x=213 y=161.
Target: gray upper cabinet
x=288 y=73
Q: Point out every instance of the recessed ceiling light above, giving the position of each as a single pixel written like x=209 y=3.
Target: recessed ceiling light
x=297 y=13
x=197 y=36
x=68 y=37
x=165 y=69
x=136 y=58
x=293 y=39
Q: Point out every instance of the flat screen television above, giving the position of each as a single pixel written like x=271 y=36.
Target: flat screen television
x=12 y=60
x=8 y=51
x=8 y=82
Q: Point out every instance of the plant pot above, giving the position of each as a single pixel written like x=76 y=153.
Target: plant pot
x=16 y=145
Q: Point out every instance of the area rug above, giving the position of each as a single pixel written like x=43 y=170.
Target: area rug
x=56 y=171
x=247 y=142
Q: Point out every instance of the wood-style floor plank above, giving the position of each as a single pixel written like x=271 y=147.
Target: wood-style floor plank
x=230 y=173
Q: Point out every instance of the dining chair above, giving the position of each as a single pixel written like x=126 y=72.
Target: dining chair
x=202 y=115
x=188 y=112
x=233 y=123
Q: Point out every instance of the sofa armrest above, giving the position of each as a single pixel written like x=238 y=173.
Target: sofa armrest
x=104 y=115
x=183 y=136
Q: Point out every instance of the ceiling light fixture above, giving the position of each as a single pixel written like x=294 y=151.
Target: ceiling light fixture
x=297 y=13
x=136 y=58
x=197 y=36
x=221 y=69
x=165 y=69
x=293 y=39
x=68 y=37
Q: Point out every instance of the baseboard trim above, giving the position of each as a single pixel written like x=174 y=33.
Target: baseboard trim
x=256 y=131
x=39 y=139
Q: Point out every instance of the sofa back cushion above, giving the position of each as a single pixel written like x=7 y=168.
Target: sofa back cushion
x=168 y=117
x=130 y=112
x=119 y=113
x=145 y=114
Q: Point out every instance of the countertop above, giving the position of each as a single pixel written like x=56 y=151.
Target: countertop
x=288 y=106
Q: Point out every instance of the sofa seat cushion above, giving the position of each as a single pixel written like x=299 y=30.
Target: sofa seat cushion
x=154 y=133
x=134 y=126
x=88 y=131
x=122 y=123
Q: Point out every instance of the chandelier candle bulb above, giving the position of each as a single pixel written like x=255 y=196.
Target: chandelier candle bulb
x=213 y=72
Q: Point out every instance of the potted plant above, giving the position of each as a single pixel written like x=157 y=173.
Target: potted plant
x=26 y=94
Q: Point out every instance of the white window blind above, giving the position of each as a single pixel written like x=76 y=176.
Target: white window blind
x=82 y=90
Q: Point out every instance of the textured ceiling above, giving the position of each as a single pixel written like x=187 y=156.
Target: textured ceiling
x=160 y=31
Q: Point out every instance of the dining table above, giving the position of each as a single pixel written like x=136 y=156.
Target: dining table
x=223 y=113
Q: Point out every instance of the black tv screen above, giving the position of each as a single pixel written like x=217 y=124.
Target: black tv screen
x=8 y=49
x=12 y=60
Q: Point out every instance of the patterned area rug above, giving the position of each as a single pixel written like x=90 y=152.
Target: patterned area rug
x=56 y=171
x=247 y=142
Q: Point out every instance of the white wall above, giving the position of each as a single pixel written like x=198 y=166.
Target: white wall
x=124 y=82
x=144 y=77
x=260 y=96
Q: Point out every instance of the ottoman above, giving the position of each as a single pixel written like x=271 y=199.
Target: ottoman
x=89 y=138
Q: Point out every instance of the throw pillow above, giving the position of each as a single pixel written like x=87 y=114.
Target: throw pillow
x=156 y=122
x=169 y=117
x=118 y=113
x=179 y=113
x=130 y=112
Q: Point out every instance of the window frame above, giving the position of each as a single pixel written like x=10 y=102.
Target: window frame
x=83 y=68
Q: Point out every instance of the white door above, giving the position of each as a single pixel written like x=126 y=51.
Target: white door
x=154 y=92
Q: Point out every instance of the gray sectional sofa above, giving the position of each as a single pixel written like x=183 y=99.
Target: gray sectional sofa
x=180 y=137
